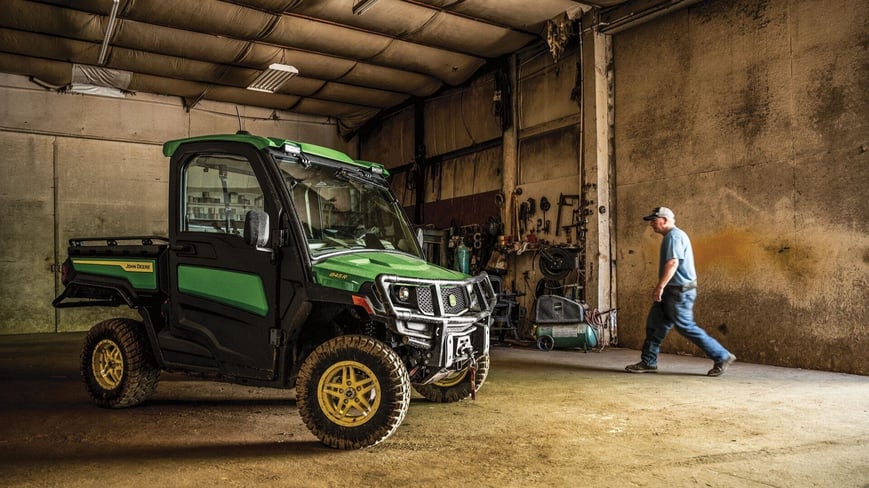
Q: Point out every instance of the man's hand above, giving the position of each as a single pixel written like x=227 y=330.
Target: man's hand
x=669 y=269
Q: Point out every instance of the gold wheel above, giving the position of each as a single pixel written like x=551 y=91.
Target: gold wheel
x=107 y=363
x=353 y=392
x=452 y=379
x=455 y=386
x=349 y=393
x=116 y=364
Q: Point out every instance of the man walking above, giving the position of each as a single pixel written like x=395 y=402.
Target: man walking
x=674 y=299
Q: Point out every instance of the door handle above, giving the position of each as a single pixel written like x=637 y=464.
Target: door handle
x=183 y=248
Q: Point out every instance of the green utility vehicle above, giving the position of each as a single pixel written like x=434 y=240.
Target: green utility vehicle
x=286 y=265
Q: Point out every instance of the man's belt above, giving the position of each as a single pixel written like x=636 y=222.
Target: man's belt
x=687 y=286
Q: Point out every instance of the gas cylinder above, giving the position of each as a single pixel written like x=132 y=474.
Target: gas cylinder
x=463 y=258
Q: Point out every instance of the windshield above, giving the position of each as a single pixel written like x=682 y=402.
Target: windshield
x=339 y=211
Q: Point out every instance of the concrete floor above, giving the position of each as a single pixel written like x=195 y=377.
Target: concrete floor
x=563 y=418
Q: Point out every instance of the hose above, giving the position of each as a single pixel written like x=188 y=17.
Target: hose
x=595 y=318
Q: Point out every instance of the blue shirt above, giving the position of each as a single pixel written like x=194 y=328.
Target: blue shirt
x=676 y=244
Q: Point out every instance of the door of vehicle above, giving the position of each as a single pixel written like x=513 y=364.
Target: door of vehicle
x=223 y=292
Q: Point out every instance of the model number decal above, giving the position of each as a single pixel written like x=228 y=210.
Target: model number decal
x=339 y=276
x=128 y=266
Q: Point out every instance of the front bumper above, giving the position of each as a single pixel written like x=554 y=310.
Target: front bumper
x=449 y=320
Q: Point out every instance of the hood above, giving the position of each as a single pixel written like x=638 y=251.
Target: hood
x=349 y=271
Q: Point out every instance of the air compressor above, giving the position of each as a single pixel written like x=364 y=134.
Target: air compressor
x=560 y=322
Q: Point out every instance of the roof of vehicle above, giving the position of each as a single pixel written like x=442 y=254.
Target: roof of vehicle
x=261 y=142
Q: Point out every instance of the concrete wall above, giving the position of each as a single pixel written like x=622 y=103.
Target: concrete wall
x=749 y=119
x=81 y=166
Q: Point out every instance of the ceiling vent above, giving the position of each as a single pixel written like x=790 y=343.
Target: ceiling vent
x=97 y=80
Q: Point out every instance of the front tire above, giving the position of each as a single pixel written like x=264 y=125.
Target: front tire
x=116 y=364
x=456 y=386
x=353 y=392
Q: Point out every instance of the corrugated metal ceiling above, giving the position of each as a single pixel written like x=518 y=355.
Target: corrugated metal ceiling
x=350 y=66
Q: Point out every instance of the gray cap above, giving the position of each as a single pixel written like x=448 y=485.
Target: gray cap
x=660 y=212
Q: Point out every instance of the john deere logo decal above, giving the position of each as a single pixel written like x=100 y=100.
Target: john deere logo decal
x=128 y=266
x=452 y=300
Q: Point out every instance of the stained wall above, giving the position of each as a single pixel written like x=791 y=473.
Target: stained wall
x=749 y=120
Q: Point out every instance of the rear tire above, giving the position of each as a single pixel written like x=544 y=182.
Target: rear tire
x=457 y=386
x=117 y=366
x=353 y=392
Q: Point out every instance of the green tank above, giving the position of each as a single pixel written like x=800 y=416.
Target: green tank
x=550 y=336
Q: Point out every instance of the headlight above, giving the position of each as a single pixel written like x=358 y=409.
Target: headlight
x=404 y=295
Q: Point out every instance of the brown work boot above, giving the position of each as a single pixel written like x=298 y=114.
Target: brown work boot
x=641 y=367
x=721 y=366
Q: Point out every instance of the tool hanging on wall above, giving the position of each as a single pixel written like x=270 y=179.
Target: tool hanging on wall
x=494 y=227
x=532 y=210
x=564 y=201
x=557 y=262
x=544 y=207
x=515 y=214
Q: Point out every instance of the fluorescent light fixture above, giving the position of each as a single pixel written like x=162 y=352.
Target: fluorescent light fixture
x=273 y=78
x=362 y=6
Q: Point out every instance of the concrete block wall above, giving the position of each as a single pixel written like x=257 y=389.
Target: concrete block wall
x=749 y=120
x=88 y=166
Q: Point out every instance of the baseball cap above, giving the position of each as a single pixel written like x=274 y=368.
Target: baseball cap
x=660 y=212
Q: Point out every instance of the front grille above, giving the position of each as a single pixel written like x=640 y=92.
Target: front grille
x=424 y=300
x=466 y=301
x=453 y=300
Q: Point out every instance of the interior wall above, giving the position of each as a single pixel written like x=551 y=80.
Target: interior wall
x=549 y=165
x=462 y=174
x=461 y=190
x=85 y=166
x=748 y=119
x=461 y=146
x=460 y=118
x=549 y=136
x=391 y=142
x=463 y=170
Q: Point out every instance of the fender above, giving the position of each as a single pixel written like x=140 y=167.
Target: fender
x=102 y=292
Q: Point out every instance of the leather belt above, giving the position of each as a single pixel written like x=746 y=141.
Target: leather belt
x=687 y=286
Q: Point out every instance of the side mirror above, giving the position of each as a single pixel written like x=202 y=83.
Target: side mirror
x=256 y=228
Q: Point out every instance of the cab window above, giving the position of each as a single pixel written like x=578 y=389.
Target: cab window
x=218 y=191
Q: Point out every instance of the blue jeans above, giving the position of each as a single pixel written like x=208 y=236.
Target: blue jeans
x=676 y=308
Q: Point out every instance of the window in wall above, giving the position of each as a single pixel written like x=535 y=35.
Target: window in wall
x=219 y=189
